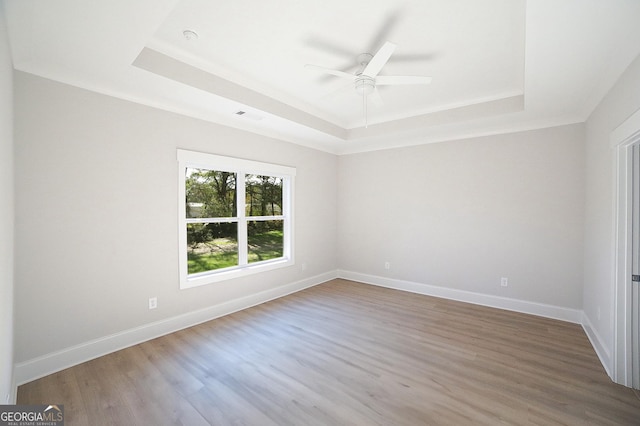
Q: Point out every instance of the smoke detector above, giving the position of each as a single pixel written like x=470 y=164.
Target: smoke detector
x=190 y=35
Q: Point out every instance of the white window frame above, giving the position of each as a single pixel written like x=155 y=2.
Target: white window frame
x=241 y=167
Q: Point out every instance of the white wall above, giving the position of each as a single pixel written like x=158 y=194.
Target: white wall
x=463 y=214
x=96 y=214
x=6 y=216
x=620 y=103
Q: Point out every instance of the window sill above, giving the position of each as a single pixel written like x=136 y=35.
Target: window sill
x=204 y=278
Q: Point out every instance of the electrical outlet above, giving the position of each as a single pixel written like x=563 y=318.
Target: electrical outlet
x=504 y=281
x=387 y=265
x=153 y=302
x=304 y=266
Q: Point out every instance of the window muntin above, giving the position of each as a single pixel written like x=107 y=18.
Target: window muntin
x=221 y=238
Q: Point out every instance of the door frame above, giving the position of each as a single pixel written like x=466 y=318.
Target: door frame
x=622 y=140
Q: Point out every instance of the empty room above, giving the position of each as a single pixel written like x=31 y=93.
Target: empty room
x=295 y=212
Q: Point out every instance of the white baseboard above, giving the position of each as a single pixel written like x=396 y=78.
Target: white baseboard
x=598 y=345
x=13 y=398
x=539 y=309
x=50 y=363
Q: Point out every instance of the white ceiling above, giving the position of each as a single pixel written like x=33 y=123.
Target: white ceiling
x=497 y=65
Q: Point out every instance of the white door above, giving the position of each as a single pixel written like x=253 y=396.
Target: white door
x=635 y=284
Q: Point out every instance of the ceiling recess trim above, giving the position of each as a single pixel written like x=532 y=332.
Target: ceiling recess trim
x=166 y=66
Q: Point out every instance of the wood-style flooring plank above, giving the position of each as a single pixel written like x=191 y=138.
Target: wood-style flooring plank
x=344 y=353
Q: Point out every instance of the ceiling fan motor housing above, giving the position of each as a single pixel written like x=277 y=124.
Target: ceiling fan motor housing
x=365 y=85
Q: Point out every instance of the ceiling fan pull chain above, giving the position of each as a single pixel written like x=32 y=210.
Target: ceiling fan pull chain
x=364 y=107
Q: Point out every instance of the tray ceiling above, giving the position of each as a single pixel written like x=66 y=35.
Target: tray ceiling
x=497 y=65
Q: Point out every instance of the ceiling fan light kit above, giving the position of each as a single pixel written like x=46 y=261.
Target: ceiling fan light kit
x=366 y=78
x=365 y=85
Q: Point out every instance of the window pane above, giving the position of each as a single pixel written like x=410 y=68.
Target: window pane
x=210 y=193
x=211 y=246
x=265 y=240
x=263 y=195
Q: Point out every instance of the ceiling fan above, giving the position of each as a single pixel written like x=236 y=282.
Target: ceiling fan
x=367 y=78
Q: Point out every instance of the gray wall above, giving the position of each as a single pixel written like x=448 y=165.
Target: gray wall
x=96 y=214
x=6 y=216
x=620 y=103
x=463 y=214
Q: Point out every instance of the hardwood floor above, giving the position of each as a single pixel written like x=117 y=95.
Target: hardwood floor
x=344 y=353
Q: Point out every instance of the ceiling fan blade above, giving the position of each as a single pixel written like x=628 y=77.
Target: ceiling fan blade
x=330 y=47
x=330 y=71
x=380 y=58
x=388 y=26
x=415 y=57
x=387 y=80
x=338 y=87
x=375 y=98
x=325 y=77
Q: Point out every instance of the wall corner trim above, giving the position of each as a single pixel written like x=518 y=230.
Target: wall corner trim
x=44 y=365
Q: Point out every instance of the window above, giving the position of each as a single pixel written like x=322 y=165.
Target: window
x=235 y=217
